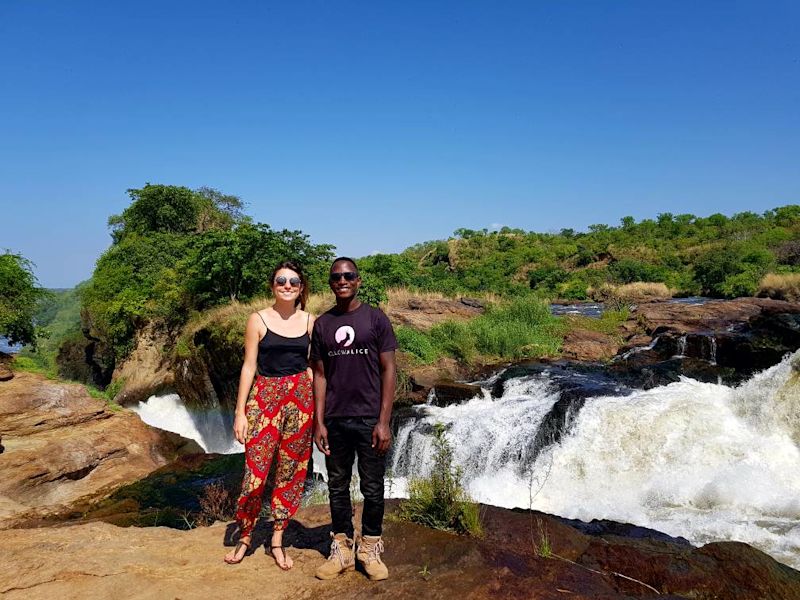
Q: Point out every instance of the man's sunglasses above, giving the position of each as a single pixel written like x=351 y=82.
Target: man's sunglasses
x=347 y=275
x=281 y=280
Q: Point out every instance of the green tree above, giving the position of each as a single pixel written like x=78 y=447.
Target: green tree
x=19 y=296
x=157 y=209
x=236 y=264
x=218 y=210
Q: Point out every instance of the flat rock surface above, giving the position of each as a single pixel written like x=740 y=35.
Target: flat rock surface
x=98 y=560
x=61 y=448
x=714 y=315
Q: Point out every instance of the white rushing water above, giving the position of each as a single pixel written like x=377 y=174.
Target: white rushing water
x=703 y=461
x=208 y=428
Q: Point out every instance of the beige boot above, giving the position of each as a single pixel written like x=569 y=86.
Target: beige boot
x=340 y=560
x=368 y=554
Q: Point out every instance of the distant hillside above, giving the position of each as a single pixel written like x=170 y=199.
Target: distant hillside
x=717 y=255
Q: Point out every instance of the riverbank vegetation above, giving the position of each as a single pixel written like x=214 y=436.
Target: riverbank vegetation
x=181 y=260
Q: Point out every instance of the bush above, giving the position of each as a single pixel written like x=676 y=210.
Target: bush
x=455 y=339
x=523 y=328
x=216 y=504
x=574 y=290
x=416 y=343
x=440 y=501
x=372 y=292
x=629 y=270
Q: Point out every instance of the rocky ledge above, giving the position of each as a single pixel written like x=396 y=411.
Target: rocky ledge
x=523 y=555
x=62 y=449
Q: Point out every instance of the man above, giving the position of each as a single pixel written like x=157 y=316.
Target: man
x=352 y=354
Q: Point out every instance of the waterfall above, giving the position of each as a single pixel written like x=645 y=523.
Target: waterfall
x=712 y=351
x=208 y=427
x=636 y=349
x=699 y=460
x=681 y=347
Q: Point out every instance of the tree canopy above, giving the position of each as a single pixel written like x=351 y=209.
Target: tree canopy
x=19 y=294
x=176 y=251
x=175 y=209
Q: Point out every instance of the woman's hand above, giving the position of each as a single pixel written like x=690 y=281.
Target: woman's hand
x=240 y=427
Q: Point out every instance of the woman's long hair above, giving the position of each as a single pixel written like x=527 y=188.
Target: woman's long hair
x=302 y=298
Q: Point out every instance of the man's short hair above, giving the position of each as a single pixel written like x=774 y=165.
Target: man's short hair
x=344 y=259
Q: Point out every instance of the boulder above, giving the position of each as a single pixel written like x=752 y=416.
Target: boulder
x=63 y=448
x=446 y=392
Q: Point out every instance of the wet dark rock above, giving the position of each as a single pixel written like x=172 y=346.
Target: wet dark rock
x=446 y=393
x=472 y=302
x=604 y=527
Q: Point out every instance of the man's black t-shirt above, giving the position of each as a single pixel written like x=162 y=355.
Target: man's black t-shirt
x=349 y=345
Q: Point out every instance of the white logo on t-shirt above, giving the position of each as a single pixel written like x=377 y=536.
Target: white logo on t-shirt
x=345 y=335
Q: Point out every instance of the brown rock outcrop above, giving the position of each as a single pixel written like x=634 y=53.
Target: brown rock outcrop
x=146 y=370
x=714 y=315
x=592 y=346
x=5 y=367
x=63 y=448
x=423 y=313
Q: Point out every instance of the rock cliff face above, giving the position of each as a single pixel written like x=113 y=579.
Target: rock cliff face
x=5 y=367
x=209 y=376
x=63 y=449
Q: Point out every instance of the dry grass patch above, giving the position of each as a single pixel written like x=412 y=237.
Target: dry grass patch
x=641 y=290
x=400 y=297
x=780 y=286
x=630 y=292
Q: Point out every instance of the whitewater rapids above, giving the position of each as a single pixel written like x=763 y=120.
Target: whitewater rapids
x=703 y=461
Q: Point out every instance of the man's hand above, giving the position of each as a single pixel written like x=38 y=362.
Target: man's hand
x=240 y=427
x=321 y=439
x=381 y=438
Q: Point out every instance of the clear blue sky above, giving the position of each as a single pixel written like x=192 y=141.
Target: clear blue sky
x=376 y=125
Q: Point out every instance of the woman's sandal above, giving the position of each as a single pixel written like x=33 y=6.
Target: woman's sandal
x=284 y=566
x=234 y=561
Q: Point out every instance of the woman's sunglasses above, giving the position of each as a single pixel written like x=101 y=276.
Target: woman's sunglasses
x=294 y=281
x=348 y=276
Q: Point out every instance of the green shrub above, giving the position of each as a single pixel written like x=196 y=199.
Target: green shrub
x=574 y=290
x=455 y=339
x=523 y=328
x=416 y=343
x=373 y=292
x=742 y=284
x=440 y=501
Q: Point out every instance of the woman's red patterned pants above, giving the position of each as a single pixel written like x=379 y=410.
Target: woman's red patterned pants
x=279 y=414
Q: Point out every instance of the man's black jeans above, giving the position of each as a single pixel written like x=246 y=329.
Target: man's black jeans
x=348 y=437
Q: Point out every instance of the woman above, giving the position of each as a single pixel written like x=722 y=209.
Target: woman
x=277 y=414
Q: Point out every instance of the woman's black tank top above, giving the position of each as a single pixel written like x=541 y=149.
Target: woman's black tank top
x=279 y=356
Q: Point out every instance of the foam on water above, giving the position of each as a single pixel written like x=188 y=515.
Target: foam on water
x=698 y=460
